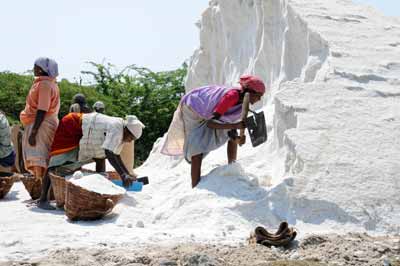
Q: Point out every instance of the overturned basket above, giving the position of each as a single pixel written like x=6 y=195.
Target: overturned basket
x=82 y=204
x=6 y=182
x=32 y=185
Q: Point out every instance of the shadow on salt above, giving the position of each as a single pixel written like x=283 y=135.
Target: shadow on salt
x=279 y=204
x=110 y=218
x=36 y=209
x=11 y=196
x=269 y=206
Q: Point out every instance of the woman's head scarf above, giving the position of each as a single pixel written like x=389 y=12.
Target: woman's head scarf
x=48 y=65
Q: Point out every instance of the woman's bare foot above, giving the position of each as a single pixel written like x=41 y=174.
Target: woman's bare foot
x=45 y=205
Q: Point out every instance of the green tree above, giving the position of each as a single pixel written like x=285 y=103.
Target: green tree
x=151 y=96
x=13 y=91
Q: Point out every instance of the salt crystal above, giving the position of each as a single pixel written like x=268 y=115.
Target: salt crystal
x=140 y=224
x=97 y=183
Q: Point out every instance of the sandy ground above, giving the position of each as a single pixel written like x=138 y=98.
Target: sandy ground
x=350 y=249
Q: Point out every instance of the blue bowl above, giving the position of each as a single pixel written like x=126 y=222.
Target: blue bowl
x=136 y=186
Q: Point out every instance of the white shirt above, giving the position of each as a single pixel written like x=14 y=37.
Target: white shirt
x=100 y=132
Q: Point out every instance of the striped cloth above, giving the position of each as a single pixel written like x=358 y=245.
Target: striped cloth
x=39 y=155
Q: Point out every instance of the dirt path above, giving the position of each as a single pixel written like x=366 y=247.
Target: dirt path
x=315 y=250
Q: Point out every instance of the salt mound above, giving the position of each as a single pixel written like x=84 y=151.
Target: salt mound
x=332 y=109
x=96 y=183
x=331 y=163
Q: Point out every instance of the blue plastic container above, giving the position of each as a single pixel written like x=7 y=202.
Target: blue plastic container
x=136 y=186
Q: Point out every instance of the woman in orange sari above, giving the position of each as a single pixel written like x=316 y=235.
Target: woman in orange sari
x=40 y=116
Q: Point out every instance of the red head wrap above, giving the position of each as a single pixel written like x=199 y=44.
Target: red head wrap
x=252 y=83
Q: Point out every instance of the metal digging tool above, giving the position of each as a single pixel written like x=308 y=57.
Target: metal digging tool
x=257 y=128
x=245 y=111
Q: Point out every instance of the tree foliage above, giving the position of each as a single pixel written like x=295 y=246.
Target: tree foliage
x=151 y=96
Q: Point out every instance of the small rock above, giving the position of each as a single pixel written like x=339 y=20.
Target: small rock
x=294 y=256
x=358 y=253
x=143 y=260
x=313 y=240
x=346 y=257
x=129 y=225
x=274 y=249
x=167 y=262
x=225 y=251
x=199 y=260
x=383 y=250
x=230 y=227
x=140 y=224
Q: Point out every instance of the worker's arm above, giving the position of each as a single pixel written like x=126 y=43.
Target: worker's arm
x=233 y=135
x=119 y=166
x=40 y=114
x=215 y=125
x=100 y=165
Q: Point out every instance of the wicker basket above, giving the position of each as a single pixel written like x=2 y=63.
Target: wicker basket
x=6 y=182
x=81 y=204
x=59 y=185
x=32 y=185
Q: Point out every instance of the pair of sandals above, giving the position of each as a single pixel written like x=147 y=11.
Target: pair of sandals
x=281 y=238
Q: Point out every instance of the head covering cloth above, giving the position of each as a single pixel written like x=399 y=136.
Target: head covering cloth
x=48 y=65
x=99 y=106
x=134 y=125
x=253 y=83
x=79 y=98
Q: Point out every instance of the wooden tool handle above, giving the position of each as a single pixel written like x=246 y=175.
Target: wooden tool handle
x=245 y=110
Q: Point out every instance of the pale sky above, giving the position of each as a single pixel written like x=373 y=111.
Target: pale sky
x=159 y=35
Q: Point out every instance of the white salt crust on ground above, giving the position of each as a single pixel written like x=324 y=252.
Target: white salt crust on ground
x=331 y=163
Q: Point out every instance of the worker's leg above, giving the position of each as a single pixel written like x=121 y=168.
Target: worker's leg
x=232 y=150
x=196 y=169
x=100 y=165
x=38 y=172
x=43 y=201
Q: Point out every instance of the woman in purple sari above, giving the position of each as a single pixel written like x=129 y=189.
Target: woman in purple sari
x=207 y=118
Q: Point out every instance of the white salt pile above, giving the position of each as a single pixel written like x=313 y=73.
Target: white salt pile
x=96 y=183
x=331 y=163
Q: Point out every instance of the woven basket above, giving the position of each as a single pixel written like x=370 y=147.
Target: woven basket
x=32 y=185
x=6 y=182
x=59 y=185
x=81 y=204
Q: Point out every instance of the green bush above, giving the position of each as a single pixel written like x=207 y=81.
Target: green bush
x=151 y=96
